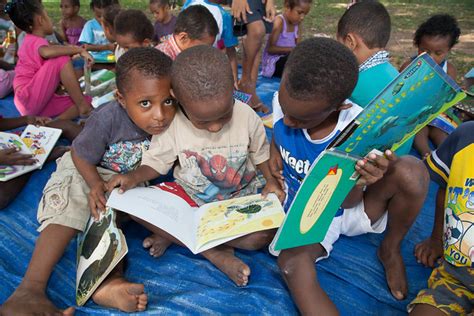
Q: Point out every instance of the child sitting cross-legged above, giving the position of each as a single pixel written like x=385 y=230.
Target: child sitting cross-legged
x=309 y=112
x=209 y=127
x=111 y=142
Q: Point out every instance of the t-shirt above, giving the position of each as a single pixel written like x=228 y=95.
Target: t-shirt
x=223 y=19
x=162 y=29
x=93 y=34
x=169 y=47
x=298 y=150
x=111 y=140
x=212 y=166
x=452 y=167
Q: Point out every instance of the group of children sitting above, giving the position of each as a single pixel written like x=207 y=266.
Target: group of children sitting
x=175 y=110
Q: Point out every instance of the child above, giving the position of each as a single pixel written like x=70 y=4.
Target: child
x=133 y=29
x=108 y=24
x=256 y=17
x=194 y=26
x=164 y=20
x=217 y=145
x=42 y=67
x=286 y=33
x=7 y=74
x=436 y=36
x=111 y=142
x=71 y=23
x=451 y=285
x=92 y=36
x=367 y=41
x=309 y=112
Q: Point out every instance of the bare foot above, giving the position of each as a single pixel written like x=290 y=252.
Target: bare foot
x=224 y=259
x=156 y=245
x=428 y=251
x=121 y=294
x=28 y=301
x=392 y=262
x=255 y=102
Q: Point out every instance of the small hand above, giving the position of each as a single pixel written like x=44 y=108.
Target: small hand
x=239 y=10
x=276 y=168
x=123 y=181
x=87 y=57
x=270 y=11
x=373 y=167
x=97 y=199
x=11 y=156
x=38 y=120
x=428 y=251
x=273 y=186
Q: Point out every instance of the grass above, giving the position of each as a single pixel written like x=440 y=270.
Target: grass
x=406 y=16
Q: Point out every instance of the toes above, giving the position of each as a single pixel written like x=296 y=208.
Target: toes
x=147 y=242
x=398 y=295
x=136 y=289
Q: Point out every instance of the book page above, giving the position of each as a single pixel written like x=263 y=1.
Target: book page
x=40 y=140
x=7 y=172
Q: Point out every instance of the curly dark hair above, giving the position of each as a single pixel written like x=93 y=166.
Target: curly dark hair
x=438 y=25
x=197 y=21
x=135 y=23
x=110 y=13
x=293 y=3
x=201 y=73
x=148 y=61
x=320 y=68
x=102 y=4
x=22 y=13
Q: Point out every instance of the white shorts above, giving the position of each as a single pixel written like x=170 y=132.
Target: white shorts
x=352 y=222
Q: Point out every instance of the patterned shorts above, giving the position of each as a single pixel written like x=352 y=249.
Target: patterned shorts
x=450 y=289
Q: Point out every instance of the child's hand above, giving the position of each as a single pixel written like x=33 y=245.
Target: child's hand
x=272 y=186
x=276 y=168
x=123 y=181
x=38 y=120
x=240 y=8
x=270 y=11
x=97 y=198
x=373 y=167
x=11 y=156
x=89 y=60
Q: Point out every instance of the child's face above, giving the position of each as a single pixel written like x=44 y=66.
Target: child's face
x=160 y=13
x=46 y=23
x=98 y=12
x=149 y=103
x=127 y=41
x=436 y=46
x=297 y=14
x=67 y=9
x=210 y=115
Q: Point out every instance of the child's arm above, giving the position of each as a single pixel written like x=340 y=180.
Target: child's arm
x=272 y=185
x=276 y=31
x=98 y=48
x=300 y=33
x=132 y=179
x=270 y=11
x=276 y=164
x=62 y=32
x=52 y=51
x=11 y=123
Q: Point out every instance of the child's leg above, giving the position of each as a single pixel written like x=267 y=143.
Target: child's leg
x=70 y=82
x=421 y=142
x=298 y=269
x=427 y=310
x=254 y=241
x=69 y=128
x=30 y=296
x=401 y=192
x=437 y=135
x=10 y=189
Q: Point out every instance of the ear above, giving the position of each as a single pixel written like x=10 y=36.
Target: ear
x=120 y=98
x=351 y=41
x=182 y=37
x=146 y=42
x=344 y=106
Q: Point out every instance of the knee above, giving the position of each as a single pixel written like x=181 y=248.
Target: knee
x=410 y=174
x=288 y=263
x=256 y=30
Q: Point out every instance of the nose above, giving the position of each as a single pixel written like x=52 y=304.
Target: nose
x=158 y=114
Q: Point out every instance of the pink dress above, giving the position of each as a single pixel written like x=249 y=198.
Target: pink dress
x=37 y=79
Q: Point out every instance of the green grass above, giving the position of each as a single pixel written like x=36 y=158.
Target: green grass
x=406 y=16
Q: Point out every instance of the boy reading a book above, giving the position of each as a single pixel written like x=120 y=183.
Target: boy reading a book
x=367 y=41
x=217 y=144
x=309 y=112
x=111 y=142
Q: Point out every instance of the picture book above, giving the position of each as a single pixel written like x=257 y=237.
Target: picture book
x=99 y=249
x=412 y=100
x=199 y=228
x=97 y=83
x=242 y=96
x=35 y=140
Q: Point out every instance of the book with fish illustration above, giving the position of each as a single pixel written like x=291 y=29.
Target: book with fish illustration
x=390 y=119
x=99 y=249
x=200 y=228
x=38 y=141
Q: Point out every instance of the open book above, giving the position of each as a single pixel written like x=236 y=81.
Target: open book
x=412 y=100
x=200 y=228
x=35 y=140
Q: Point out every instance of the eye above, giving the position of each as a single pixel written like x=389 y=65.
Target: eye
x=169 y=102
x=145 y=104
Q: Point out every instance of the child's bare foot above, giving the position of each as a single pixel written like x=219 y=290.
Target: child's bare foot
x=224 y=259
x=31 y=301
x=156 y=244
x=255 y=102
x=116 y=292
x=392 y=262
x=428 y=251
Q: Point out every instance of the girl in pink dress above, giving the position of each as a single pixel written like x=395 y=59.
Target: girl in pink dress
x=41 y=67
x=71 y=23
x=285 y=35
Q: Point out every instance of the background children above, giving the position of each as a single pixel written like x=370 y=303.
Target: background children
x=42 y=67
x=108 y=24
x=111 y=142
x=165 y=21
x=133 y=29
x=436 y=36
x=309 y=113
x=7 y=74
x=71 y=23
x=451 y=285
x=211 y=125
x=194 y=26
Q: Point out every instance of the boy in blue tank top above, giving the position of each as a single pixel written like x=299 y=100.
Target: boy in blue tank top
x=309 y=112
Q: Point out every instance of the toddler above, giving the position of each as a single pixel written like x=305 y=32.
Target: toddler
x=111 y=142
x=71 y=23
x=133 y=29
x=209 y=125
x=41 y=67
x=286 y=33
x=165 y=21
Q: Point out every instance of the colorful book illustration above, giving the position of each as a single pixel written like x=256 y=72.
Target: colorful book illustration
x=268 y=120
x=100 y=249
x=35 y=140
x=200 y=228
x=242 y=96
x=407 y=104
